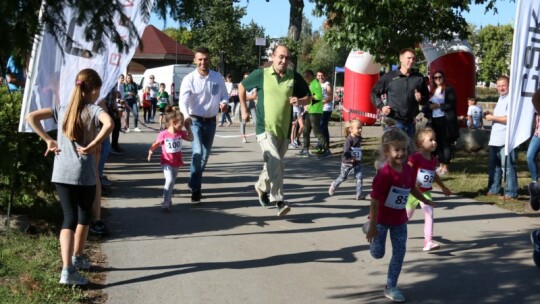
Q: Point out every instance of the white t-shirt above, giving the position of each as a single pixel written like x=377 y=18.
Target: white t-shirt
x=476 y=113
x=329 y=105
x=438 y=97
x=498 y=130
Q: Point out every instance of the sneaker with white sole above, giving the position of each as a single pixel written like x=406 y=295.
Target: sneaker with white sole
x=137 y=130
x=80 y=262
x=105 y=181
x=283 y=208
x=263 y=198
x=430 y=246
x=302 y=153
x=365 y=227
x=394 y=294
x=332 y=189
x=166 y=206
x=72 y=277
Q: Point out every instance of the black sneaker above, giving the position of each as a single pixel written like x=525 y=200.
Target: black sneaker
x=263 y=198
x=283 y=208
x=196 y=197
x=99 y=228
x=117 y=151
x=533 y=194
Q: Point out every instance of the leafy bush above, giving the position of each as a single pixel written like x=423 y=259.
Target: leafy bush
x=24 y=172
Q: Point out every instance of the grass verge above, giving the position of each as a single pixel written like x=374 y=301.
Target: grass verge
x=30 y=269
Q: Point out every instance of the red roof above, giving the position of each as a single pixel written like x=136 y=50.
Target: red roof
x=155 y=42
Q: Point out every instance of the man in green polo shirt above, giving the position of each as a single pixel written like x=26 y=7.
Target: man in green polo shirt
x=278 y=90
x=312 y=118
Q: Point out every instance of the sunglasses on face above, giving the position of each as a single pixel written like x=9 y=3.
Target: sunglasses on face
x=437 y=77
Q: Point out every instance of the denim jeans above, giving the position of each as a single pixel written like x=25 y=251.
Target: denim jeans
x=324 y=127
x=203 y=138
x=409 y=128
x=135 y=109
x=496 y=167
x=534 y=147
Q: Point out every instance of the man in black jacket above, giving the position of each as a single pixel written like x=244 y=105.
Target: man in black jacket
x=405 y=89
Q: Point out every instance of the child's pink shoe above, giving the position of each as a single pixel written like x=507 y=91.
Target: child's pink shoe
x=430 y=246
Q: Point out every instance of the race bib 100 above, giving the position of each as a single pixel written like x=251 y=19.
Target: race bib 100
x=173 y=145
x=397 y=197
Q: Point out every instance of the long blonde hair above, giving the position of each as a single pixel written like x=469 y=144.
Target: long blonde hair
x=75 y=123
x=350 y=123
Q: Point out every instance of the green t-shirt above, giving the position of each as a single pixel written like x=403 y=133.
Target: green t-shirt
x=316 y=106
x=274 y=111
x=163 y=99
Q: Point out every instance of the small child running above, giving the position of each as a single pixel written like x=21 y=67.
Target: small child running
x=350 y=160
x=163 y=101
x=391 y=187
x=170 y=141
x=424 y=164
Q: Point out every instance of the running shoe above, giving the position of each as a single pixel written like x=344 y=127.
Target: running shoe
x=332 y=189
x=72 y=278
x=430 y=246
x=303 y=153
x=80 y=262
x=394 y=295
x=283 y=208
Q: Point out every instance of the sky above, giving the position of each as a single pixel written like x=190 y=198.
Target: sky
x=274 y=15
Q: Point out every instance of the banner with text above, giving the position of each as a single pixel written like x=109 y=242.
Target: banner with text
x=524 y=74
x=51 y=74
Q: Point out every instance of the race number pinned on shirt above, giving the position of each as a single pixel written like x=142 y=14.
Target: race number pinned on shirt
x=397 y=197
x=173 y=145
x=356 y=153
x=424 y=178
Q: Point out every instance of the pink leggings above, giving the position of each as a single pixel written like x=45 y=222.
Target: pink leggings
x=412 y=202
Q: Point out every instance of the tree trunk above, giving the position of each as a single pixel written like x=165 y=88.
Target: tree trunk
x=295 y=23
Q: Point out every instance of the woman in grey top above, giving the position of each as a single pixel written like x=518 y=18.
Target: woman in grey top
x=82 y=127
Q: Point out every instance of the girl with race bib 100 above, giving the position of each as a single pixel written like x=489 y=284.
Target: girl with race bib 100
x=392 y=184
x=350 y=161
x=424 y=164
x=170 y=141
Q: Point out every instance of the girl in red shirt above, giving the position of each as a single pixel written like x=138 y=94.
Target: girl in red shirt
x=424 y=165
x=391 y=187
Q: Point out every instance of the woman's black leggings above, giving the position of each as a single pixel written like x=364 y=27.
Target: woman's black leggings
x=76 y=204
x=444 y=143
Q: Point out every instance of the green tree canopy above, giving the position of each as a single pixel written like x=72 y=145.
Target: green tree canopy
x=493 y=48
x=384 y=27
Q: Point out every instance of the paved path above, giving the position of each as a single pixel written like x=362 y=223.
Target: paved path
x=231 y=250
